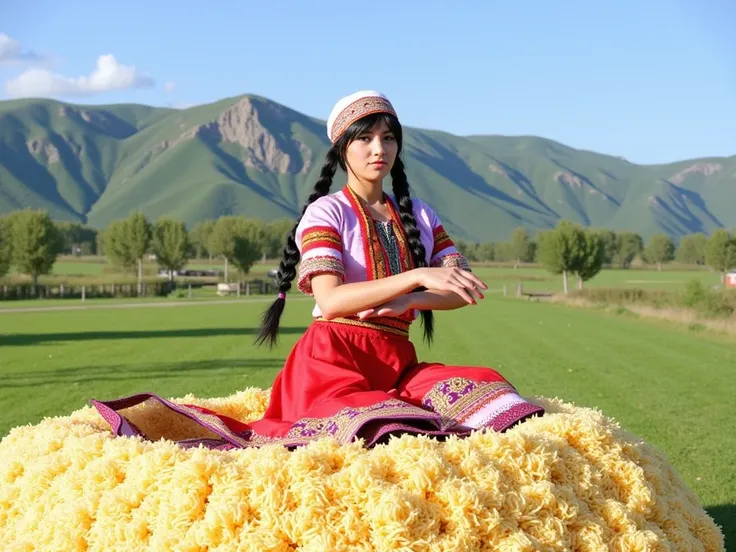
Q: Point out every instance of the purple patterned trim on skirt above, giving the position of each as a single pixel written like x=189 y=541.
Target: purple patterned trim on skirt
x=371 y=423
x=452 y=407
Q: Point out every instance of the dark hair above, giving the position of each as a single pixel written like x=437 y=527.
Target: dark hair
x=336 y=157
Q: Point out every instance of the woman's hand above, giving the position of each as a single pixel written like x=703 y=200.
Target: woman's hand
x=394 y=308
x=451 y=279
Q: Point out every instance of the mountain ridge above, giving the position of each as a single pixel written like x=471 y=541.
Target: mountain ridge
x=251 y=156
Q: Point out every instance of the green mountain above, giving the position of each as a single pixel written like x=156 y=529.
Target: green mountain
x=248 y=155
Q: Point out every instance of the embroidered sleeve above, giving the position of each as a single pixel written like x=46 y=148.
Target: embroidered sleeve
x=444 y=253
x=320 y=244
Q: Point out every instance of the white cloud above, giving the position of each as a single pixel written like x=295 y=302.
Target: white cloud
x=109 y=75
x=169 y=86
x=11 y=52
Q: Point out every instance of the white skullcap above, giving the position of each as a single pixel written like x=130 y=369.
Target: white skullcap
x=353 y=107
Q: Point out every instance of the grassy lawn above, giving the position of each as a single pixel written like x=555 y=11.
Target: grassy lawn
x=670 y=386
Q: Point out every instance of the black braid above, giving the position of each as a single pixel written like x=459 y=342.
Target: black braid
x=287 y=268
x=418 y=253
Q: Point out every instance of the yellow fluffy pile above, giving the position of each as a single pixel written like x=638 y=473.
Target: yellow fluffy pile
x=571 y=480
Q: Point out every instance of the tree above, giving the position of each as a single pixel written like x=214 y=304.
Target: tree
x=5 y=251
x=628 y=246
x=720 y=252
x=250 y=241
x=610 y=246
x=116 y=246
x=35 y=242
x=659 y=249
x=200 y=237
x=100 y=243
x=276 y=233
x=77 y=239
x=692 y=249
x=560 y=249
x=592 y=255
x=170 y=244
x=139 y=239
x=238 y=240
x=502 y=252
x=466 y=249
x=520 y=246
x=486 y=252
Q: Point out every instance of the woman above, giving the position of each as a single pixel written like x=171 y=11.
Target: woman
x=372 y=261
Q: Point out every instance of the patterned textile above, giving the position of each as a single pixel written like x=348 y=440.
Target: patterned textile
x=377 y=260
x=452 y=260
x=354 y=107
x=390 y=245
x=362 y=253
x=389 y=324
x=479 y=404
x=317 y=265
x=321 y=253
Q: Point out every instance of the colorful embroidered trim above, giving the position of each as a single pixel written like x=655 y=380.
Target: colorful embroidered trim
x=479 y=404
x=377 y=263
x=441 y=240
x=321 y=236
x=452 y=260
x=357 y=110
x=388 y=324
x=312 y=266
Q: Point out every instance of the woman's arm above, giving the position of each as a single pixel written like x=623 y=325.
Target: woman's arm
x=433 y=299
x=336 y=300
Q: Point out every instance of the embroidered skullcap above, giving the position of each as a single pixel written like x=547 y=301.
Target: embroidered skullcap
x=351 y=108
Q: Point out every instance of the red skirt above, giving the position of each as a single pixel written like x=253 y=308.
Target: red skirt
x=348 y=380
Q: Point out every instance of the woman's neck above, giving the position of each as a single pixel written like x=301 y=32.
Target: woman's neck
x=369 y=192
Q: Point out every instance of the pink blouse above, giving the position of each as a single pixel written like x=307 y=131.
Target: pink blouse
x=337 y=236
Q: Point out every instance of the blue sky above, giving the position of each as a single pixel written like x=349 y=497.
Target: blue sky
x=653 y=81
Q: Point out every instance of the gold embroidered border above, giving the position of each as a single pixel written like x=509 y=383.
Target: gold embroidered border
x=384 y=324
x=321 y=237
x=318 y=265
x=481 y=394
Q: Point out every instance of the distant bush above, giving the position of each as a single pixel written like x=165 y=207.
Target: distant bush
x=707 y=302
x=625 y=296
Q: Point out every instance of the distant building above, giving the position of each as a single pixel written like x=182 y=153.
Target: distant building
x=731 y=280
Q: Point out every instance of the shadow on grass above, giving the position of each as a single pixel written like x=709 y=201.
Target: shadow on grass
x=145 y=372
x=20 y=340
x=725 y=516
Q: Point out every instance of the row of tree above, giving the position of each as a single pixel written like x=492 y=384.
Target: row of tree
x=31 y=241
x=570 y=249
x=620 y=249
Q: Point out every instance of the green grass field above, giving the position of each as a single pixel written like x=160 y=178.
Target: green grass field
x=671 y=386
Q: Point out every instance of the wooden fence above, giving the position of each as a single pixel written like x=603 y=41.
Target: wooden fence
x=25 y=291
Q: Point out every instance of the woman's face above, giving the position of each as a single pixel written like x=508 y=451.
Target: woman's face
x=372 y=154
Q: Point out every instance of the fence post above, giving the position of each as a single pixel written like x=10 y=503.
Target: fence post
x=189 y=291
x=61 y=290
x=505 y=291
x=84 y=292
